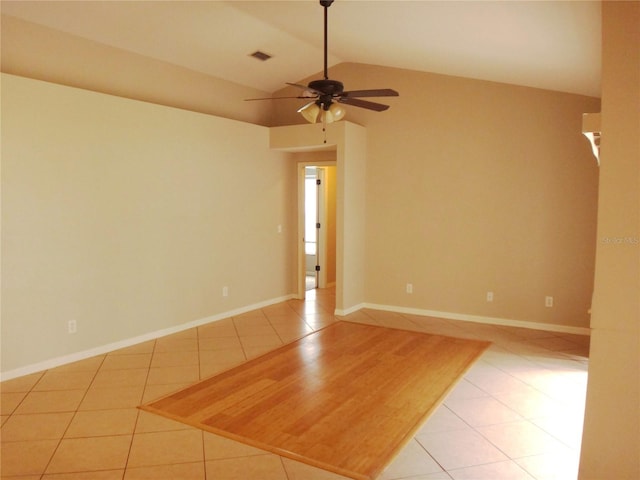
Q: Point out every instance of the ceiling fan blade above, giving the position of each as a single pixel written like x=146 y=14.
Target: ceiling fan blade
x=381 y=92
x=274 y=98
x=305 y=87
x=378 y=107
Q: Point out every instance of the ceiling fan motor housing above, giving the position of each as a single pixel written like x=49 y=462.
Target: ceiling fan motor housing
x=327 y=90
x=327 y=87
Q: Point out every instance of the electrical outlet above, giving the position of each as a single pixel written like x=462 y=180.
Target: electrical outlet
x=409 y=288
x=548 y=301
x=72 y=326
x=225 y=291
x=489 y=296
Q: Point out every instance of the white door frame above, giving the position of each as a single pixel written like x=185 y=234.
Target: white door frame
x=322 y=218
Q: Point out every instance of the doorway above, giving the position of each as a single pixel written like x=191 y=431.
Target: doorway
x=312 y=225
x=318 y=216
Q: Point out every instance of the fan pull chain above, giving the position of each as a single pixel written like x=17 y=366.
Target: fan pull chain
x=324 y=127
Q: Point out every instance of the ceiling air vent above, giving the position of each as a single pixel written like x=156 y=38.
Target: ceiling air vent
x=260 y=55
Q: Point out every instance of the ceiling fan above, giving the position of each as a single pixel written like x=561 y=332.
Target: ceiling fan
x=328 y=94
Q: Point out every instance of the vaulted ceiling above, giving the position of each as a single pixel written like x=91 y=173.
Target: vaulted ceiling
x=545 y=44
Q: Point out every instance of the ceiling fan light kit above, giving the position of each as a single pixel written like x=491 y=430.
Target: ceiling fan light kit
x=328 y=94
x=312 y=111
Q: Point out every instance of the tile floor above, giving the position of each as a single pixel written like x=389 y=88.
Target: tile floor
x=517 y=414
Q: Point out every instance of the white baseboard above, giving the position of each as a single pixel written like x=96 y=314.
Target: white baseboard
x=110 y=347
x=347 y=311
x=481 y=319
x=101 y=350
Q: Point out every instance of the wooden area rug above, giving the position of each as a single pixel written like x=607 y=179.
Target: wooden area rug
x=346 y=398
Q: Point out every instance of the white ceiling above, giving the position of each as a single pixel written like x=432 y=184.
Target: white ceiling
x=546 y=44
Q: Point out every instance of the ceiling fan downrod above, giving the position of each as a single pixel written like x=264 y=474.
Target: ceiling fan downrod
x=326 y=4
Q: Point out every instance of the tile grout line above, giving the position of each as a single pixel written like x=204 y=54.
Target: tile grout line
x=75 y=412
x=138 y=411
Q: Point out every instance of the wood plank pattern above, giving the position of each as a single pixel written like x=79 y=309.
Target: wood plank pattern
x=345 y=398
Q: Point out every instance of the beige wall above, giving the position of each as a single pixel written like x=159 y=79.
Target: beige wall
x=330 y=207
x=475 y=186
x=611 y=442
x=130 y=218
x=35 y=51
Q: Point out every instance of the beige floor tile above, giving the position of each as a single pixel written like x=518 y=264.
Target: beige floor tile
x=143 y=347
x=561 y=464
x=38 y=426
x=95 y=423
x=411 y=461
x=89 y=454
x=492 y=380
x=402 y=322
x=188 y=333
x=248 y=315
x=359 y=317
x=51 y=402
x=465 y=389
x=169 y=375
x=290 y=318
x=126 y=361
x=289 y=333
x=23 y=477
x=220 y=329
x=432 y=476
x=302 y=471
x=249 y=325
x=264 y=467
x=271 y=340
x=317 y=321
x=442 y=420
x=282 y=308
x=169 y=344
x=565 y=427
x=210 y=369
x=95 y=475
x=494 y=471
x=229 y=356
x=217 y=447
x=150 y=422
x=164 y=448
x=181 y=471
x=481 y=411
x=218 y=343
x=533 y=404
x=87 y=365
x=298 y=305
x=256 y=351
x=460 y=448
x=26 y=458
x=520 y=439
x=110 y=398
x=120 y=378
x=9 y=401
x=255 y=330
x=153 y=392
x=21 y=384
x=55 y=380
x=174 y=359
